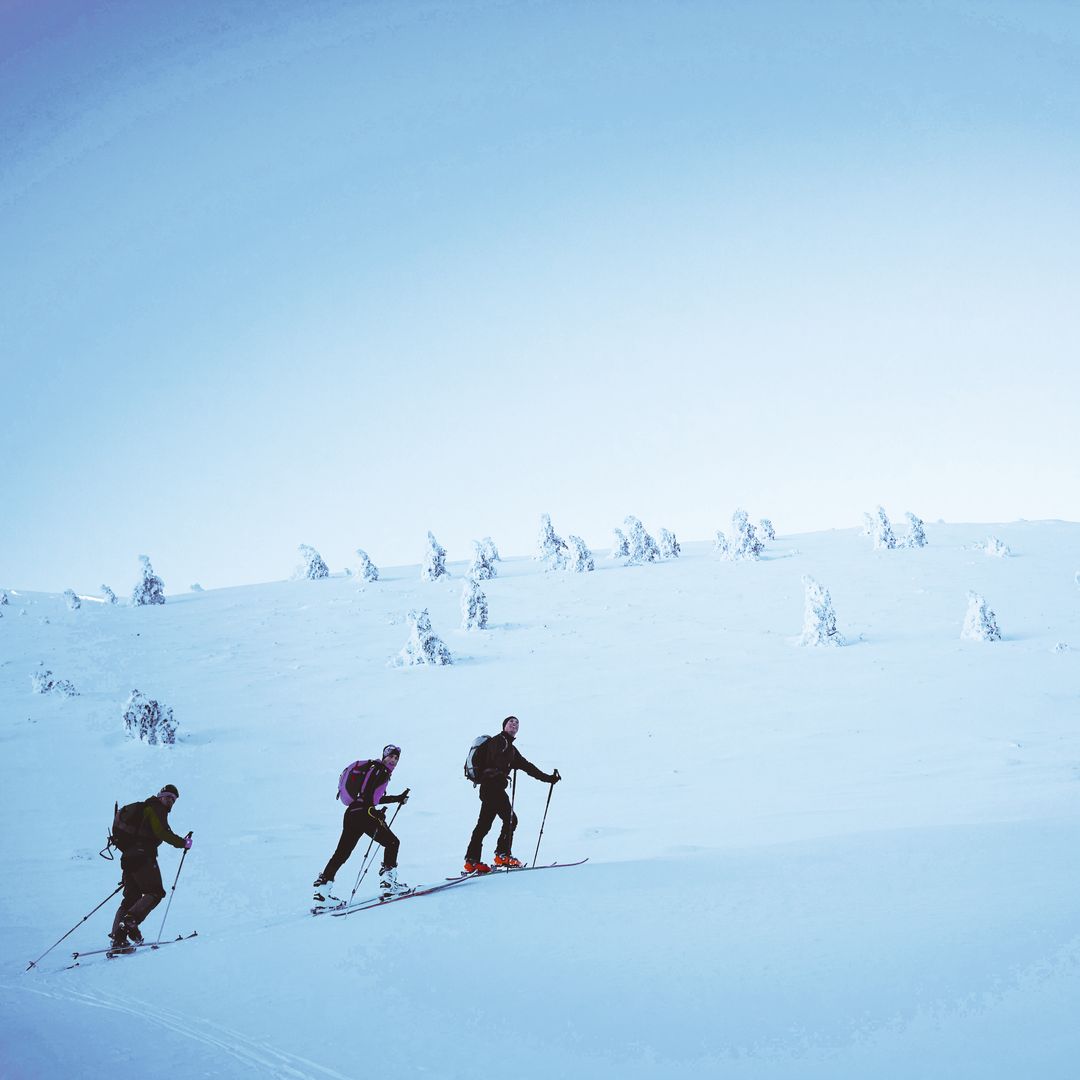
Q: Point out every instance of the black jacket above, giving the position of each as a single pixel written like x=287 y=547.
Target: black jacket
x=497 y=757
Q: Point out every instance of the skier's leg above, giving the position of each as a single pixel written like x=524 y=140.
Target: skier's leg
x=509 y=824
x=390 y=844
x=148 y=879
x=352 y=828
x=132 y=892
x=488 y=813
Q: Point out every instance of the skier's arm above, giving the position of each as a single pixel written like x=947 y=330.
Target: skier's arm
x=402 y=798
x=160 y=829
x=519 y=761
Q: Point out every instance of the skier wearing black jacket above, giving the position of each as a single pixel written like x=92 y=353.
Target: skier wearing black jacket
x=363 y=787
x=494 y=761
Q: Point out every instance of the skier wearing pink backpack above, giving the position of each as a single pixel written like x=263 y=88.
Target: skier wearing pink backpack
x=362 y=788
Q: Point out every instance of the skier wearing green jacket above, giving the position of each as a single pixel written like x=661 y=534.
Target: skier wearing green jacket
x=139 y=829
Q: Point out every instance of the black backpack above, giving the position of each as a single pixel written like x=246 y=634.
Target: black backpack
x=127 y=823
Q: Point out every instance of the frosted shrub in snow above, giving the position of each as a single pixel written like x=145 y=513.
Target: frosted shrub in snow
x=819 y=619
x=109 y=595
x=669 y=546
x=151 y=589
x=491 y=552
x=366 y=570
x=765 y=529
x=916 y=534
x=581 y=560
x=620 y=549
x=867 y=525
x=72 y=598
x=980 y=623
x=552 y=547
x=998 y=548
x=195 y=587
x=643 y=548
x=424 y=646
x=145 y=719
x=44 y=681
x=721 y=545
x=312 y=568
x=434 y=566
x=882 y=530
x=3 y=598
x=745 y=544
x=474 y=607
x=482 y=567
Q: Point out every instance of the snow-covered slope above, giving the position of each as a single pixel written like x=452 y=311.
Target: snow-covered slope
x=803 y=862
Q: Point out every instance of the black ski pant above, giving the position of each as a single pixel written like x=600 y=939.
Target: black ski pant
x=355 y=824
x=494 y=803
x=143 y=890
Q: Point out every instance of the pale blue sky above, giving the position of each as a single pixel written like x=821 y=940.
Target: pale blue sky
x=338 y=274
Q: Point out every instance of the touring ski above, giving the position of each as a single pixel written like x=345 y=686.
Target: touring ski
x=125 y=950
x=516 y=869
x=424 y=890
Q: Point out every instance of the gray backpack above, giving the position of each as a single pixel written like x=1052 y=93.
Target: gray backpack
x=470 y=757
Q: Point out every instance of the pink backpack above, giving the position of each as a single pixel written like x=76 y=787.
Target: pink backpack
x=353 y=780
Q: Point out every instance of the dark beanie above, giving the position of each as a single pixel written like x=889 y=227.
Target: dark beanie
x=507 y=721
x=170 y=789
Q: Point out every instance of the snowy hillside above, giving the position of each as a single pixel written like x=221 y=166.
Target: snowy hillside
x=803 y=862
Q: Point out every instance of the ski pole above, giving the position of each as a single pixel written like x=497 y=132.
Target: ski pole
x=366 y=864
x=171 y=891
x=33 y=963
x=544 y=819
x=510 y=823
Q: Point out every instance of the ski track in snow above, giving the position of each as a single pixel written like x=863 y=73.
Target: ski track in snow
x=268 y=1060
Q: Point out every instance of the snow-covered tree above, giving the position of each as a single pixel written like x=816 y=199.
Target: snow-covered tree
x=3 y=598
x=882 y=531
x=151 y=589
x=997 y=548
x=312 y=568
x=424 y=646
x=482 y=567
x=43 y=681
x=643 y=548
x=474 y=607
x=147 y=719
x=366 y=570
x=916 y=534
x=195 y=587
x=745 y=544
x=867 y=525
x=434 y=565
x=980 y=623
x=552 y=547
x=490 y=550
x=581 y=560
x=109 y=595
x=721 y=545
x=819 y=619
x=620 y=547
x=669 y=546
x=72 y=598
x=765 y=529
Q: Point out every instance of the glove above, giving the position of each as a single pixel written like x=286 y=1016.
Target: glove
x=403 y=798
x=555 y=777
x=187 y=842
